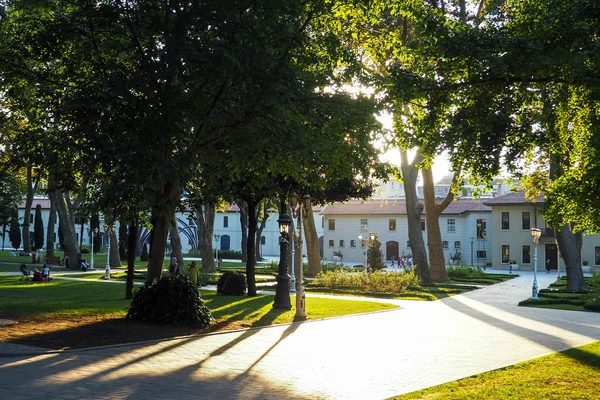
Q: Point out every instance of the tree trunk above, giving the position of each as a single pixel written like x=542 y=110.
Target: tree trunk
x=51 y=224
x=312 y=242
x=205 y=220
x=31 y=188
x=264 y=215
x=68 y=228
x=176 y=250
x=244 y=224
x=132 y=238
x=437 y=261
x=252 y=205
x=414 y=209
x=160 y=229
x=567 y=243
x=115 y=257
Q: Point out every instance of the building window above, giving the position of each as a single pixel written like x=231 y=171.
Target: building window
x=505 y=221
x=526 y=220
x=331 y=243
x=457 y=245
x=526 y=254
x=363 y=243
x=353 y=243
x=445 y=244
x=408 y=243
x=364 y=224
x=332 y=224
x=342 y=243
x=451 y=222
x=597 y=255
x=505 y=254
x=226 y=222
x=392 y=224
x=481 y=254
x=422 y=224
x=481 y=229
x=263 y=240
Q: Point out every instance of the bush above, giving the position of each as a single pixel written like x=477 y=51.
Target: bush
x=377 y=282
x=464 y=271
x=170 y=301
x=193 y=254
x=85 y=250
x=232 y=284
x=231 y=254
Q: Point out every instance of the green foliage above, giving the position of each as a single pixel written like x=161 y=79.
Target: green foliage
x=457 y=256
x=464 y=271
x=38 y=228
x=377 y=282
x=375 y=255
x=230 y=254
x=85 y=250
x=232 y=284
x=14 y=234
x=173 y=300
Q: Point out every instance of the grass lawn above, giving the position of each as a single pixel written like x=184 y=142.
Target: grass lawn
x=572 y=374
x=557 y=297
x=75 y=314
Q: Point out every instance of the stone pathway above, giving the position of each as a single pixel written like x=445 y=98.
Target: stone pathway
x=369 y=356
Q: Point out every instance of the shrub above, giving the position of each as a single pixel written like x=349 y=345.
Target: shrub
x=170 y=301
x=231 y=254
x=232 y=284
x=193 y=254
x=378 y=282
x=85 y=250
x=464 y=271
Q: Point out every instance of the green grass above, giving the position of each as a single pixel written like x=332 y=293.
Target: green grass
x=558 y=297
x=78 y=298
x=572 y=374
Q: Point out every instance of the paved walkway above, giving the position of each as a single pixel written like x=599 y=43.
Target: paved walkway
x=370 y=356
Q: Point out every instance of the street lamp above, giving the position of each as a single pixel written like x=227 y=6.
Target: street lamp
x=93 y=233
x=535 y=234
x=217 y=238
x=362 y=243
x=109 y=230
x=282 y=292
x=471 y=240
x=298 y=212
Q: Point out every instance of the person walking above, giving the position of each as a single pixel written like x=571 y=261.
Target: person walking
x=192 y=273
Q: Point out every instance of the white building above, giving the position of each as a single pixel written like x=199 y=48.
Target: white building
x=465 y=227
x=227 y=226
x=513 y=216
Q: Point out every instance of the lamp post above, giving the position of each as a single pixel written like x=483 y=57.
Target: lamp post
x=361 y=237
x=109 y=230
x=298 y=212
x=217 y=238
x=471 y=240
x=93 y=233
x=535 y=234
x=282 y=292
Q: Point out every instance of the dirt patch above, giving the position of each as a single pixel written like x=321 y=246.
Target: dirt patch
x=82 y=332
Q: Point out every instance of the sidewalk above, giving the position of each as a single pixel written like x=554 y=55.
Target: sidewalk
x=369 y=356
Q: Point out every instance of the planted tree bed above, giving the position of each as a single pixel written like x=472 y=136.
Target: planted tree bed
x=557 y=296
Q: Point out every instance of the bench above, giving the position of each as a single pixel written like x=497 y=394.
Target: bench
x=54 y=260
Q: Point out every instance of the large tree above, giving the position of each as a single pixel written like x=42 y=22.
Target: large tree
x=38 y=229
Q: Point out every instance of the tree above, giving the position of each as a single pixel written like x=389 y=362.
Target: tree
x=38 y=229
x=123 y=238
x=11 y=194
x=374 y=254
x=14 y=234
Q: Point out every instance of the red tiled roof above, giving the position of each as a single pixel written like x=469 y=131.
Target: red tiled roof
x=515 y=198
x=395 y=206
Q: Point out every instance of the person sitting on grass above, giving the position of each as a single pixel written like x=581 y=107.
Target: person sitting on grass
x=37 y=276
x=84 y=265
x=192 y=272
x=46 y=273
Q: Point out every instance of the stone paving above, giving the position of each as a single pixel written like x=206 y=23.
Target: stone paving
x=369 y=356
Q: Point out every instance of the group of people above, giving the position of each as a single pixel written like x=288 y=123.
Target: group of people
x=402 y=262
x=38 y=276
x=21 y=254
x=192 y=270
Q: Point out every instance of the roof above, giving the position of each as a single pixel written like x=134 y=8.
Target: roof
x=398 y=206
x=515 y=198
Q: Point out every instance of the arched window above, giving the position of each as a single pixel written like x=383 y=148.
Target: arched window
x=225 y=242
x=331 y=243
x=445 y=244
x=457 y=245
x=226 y=222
